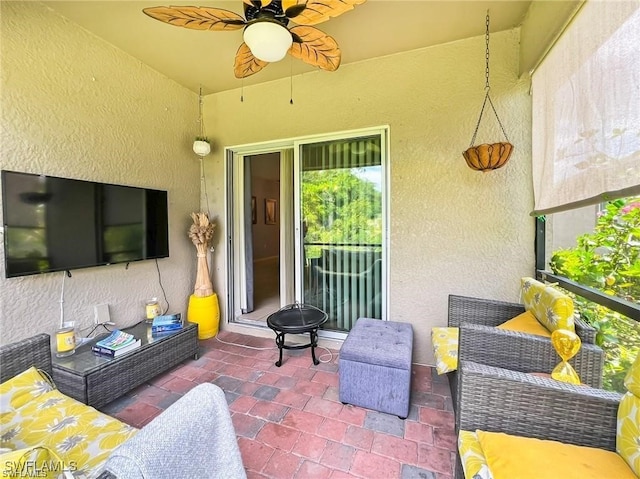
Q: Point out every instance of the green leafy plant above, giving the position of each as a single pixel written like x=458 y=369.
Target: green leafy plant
x=609 y=260
x=202 y=138
x=340 y=207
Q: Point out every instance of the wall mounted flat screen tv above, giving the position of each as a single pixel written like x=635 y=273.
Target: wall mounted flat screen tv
x=59 y=224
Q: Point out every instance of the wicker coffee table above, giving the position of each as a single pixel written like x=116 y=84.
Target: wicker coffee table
x=96 y=381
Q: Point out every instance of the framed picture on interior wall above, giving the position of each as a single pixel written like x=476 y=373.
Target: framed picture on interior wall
x=269 y=211
x=254 y=213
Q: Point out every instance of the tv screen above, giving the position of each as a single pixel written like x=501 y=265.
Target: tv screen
x=57 y=224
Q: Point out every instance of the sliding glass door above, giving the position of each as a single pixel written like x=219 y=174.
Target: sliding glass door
x=341 y=209
x=331 y=219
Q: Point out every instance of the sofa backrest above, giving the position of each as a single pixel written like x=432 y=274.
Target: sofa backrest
x=21 y=355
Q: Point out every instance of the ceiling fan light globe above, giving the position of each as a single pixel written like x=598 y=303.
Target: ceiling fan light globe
x=268 y=41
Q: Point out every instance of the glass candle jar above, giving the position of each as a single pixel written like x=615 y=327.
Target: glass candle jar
x=65 y=342
x=152 y=309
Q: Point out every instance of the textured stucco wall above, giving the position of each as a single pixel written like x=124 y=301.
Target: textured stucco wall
x=452 y=230
x=75 y=106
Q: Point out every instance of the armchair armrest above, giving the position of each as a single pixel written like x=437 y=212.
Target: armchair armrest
x=487 y=312
x=585 y=331
x=500 y=400
x=194 y=437
x=525 y=352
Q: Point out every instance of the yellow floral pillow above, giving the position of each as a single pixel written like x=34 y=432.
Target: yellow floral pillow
x=474 y=464
x=20 y=389
x=632 y=379
x=445 y=349
x=552 y=308
x=82 y=436
x=628 y=430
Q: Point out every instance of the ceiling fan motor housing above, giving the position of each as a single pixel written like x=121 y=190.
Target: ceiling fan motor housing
x=272 y=12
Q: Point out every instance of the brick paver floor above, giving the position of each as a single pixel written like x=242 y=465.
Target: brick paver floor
x=290 y=423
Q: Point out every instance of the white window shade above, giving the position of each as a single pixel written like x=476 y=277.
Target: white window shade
x=586 y=110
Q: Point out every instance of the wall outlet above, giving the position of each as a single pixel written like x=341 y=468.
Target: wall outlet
x=101 y=314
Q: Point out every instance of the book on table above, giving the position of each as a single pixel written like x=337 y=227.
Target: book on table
x=166 y=323
x=116 y=344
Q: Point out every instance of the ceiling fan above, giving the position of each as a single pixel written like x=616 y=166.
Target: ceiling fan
x=267 y=33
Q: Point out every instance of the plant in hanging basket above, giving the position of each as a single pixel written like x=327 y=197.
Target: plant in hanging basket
x=201 y=146
x=201 y=235
x=488 y=157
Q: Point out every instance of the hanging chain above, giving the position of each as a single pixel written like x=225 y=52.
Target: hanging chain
x=486 y=55
x=200 y=119
x=487 y=88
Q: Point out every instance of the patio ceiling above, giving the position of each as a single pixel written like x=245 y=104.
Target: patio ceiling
x=373 y=29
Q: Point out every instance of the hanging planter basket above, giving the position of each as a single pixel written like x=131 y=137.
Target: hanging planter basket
x=487 y=157
x=201 y=147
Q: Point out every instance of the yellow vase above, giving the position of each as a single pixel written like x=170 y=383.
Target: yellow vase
x=205 y=312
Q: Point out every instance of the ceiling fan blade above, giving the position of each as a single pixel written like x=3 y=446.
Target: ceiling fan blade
x=315 y=47
x=197 y=18
x=313 y=12
x=246 y=64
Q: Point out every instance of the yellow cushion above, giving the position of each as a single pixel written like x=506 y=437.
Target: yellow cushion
x=628 y=431
x=445 y=349
x=526 y=323
x=551 y=307
x=20 y=389
x=82 y=436
x=509 y=457
x=632 y=379
x=473 y=463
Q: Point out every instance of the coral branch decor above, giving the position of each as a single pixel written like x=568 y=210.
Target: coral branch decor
x=201 y=234
x=203 y=303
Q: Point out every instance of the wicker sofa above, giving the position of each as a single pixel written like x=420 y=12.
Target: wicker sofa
x=192 y=438
x=527 y=406
x=482 y=342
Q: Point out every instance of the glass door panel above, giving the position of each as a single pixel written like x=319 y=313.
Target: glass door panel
x=341 y=212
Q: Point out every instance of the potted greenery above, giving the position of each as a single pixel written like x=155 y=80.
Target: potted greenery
x=201 y=146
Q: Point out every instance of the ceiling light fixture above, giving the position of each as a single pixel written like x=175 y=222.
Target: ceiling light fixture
x=268 y=41
x=268 y=35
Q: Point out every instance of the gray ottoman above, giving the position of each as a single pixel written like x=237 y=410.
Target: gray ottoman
x=375 y=366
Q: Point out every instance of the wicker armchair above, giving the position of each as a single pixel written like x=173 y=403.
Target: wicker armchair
x=501 y=400
x=480 y=341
